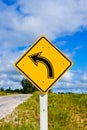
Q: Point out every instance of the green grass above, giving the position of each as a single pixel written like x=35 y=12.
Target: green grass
x=65 y=112
x=4 y=93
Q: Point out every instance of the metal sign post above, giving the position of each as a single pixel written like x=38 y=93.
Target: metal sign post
x=44 y=112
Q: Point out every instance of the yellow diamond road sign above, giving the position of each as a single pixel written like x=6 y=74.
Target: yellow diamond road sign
x=43 y=64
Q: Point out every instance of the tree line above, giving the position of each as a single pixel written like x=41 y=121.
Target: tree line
x=27 y=87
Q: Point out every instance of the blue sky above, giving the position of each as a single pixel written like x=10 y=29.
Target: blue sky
x=76 y=43
x=9 y=2
x=62 y=22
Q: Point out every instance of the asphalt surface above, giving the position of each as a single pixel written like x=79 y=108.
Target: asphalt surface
x=8 y=103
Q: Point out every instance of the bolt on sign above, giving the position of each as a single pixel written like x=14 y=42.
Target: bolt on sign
x=43 y=64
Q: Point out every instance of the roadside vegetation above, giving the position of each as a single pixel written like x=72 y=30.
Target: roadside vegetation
x=65 y=112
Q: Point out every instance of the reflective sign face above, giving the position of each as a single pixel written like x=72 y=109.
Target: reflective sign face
x=43 y=64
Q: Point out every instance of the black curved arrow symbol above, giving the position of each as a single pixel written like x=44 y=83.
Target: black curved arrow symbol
x=38 y=58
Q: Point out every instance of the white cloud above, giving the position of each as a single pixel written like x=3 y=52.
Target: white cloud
x=9 y=77
x=72 y=81
x=68 y=76
x=85 y=78
x=52 y=18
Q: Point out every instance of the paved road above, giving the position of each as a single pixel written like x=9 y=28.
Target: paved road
x=8 y=103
